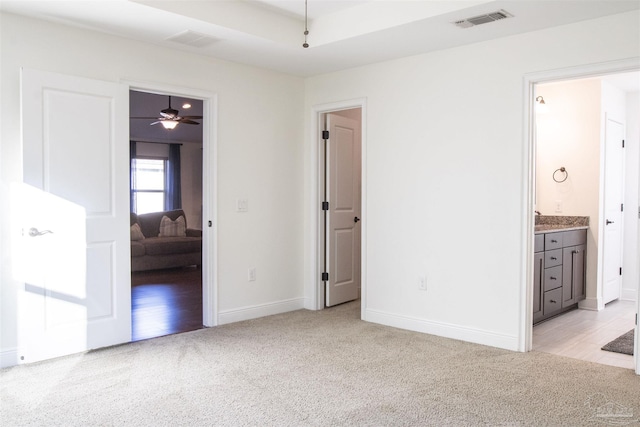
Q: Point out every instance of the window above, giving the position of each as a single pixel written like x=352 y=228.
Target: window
x=148 y=184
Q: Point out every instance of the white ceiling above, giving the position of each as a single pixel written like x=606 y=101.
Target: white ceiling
x=315 y=8
x=342 y=34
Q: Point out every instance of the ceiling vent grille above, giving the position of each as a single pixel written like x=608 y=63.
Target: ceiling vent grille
x=191 y=38
x=483 y=19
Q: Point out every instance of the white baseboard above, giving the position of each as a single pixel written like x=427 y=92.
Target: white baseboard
x=478 y=336
x=8 y=358
x=629 y=295
x=589 y=304
x=262 y=310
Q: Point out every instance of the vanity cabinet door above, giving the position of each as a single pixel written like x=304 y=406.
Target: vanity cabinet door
x=538 y=267
x=573 y=274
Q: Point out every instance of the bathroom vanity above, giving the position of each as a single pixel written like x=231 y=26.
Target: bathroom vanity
x=559 y=267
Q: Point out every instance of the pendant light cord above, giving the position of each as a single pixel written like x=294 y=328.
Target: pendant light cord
x=306 y=29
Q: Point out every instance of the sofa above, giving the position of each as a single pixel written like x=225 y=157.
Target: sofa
x=162 y=240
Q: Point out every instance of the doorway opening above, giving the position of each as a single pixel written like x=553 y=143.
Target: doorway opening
x=580 y=173
x=344 y=273
x=166 y=177
x=341 y=189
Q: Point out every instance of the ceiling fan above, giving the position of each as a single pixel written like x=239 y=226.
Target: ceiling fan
x=170 y=118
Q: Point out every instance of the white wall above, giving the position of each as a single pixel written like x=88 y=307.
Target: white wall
x=260 y=155
x=631 y=262
x=568 y=135
x=445 y=174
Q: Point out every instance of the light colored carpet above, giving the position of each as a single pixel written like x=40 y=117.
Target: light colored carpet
x=324 y=368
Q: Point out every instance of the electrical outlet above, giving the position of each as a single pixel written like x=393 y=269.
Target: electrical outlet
x=252 y=274
x=422 y=283
x=558 y=206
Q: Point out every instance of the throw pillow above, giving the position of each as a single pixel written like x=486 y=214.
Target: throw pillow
x=170 y=228
x=136 y=232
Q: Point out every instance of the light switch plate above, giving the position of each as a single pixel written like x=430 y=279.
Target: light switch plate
x=242 y=205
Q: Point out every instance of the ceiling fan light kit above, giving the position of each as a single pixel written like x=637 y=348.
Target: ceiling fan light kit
x=170 y=118
x=169 y=124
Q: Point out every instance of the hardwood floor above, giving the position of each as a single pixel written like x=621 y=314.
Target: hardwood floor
x=580 y=334
x=165 y=302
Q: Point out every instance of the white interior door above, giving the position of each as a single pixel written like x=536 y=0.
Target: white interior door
x=343 y=217
x=74 y=199
x=613 y=198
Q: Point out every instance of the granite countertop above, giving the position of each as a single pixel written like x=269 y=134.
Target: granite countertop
x=548 y=223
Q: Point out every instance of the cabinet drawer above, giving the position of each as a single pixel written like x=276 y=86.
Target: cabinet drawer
x=552 y=301
x=552 y=258
x=552 y=277
x=552 y=241
x=574 y=238
x=538 y=243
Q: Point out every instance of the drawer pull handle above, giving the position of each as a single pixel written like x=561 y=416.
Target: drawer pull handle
x=552 y=278
x=554 y=241
x=576 y=252
x=553 y=301
x=553 y=258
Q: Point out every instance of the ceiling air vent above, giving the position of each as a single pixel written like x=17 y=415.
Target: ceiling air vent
x=191 y=38
x=483 y=19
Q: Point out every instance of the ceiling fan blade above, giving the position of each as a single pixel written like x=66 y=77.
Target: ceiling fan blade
x=145 y=118
x=188 y=122
x=155 y=123
x=169 y=115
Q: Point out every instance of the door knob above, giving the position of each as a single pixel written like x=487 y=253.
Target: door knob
x=356 y=219
x=34 y=232
x=607 y=222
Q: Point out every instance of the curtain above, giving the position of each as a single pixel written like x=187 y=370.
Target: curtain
x=173 y=186
x=132 y=176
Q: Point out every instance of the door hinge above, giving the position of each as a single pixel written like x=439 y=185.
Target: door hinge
x=325 y=206
x=325 y=277
x=623 y=143
x=636 y=318
x=210 y=223
x=621 y=271
x=325 y=134
x=621 y=207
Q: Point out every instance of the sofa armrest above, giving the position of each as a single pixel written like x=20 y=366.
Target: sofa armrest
x=192 y=232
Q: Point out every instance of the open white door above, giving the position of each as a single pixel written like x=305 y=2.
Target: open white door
x=613 y=198
x=342 y=228
x=74 y=214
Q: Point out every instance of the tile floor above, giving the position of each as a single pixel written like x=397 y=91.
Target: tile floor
x=580 y=334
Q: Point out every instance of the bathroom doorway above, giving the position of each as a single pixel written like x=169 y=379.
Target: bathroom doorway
x=571 y=135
